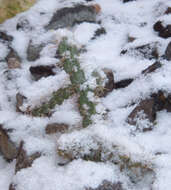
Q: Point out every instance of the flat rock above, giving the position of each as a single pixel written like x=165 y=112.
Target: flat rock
x=152 y=68
x=68 y=16
x=7 y=147
x=42 y=71
x=164 y=31
x=13 y=59
x=168 y=52
x=148 y=51
x=123 y=83
x=56 y=128
x=33 y=51
x=106 y=185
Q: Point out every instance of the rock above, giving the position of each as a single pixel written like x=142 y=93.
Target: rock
x=99 y=32
x=167 y=105
x=123 y=83
x=5 y=37
x=33 y=51
x=126 y=1
x=23 y=160
x=106 y=185
x=19 y=101
x=23 y=24
x=12 y=186
x=160 y=101
x=56 y=128
x=148 y=51
x=152 y=68
x=102 y=91
x=7 y=147
x=13 y=59
x=168 y=52
x=131 y=39
x=168 y=10
x=68 y=16
x=164 y=31
x=42 y=71
x=143 y=111
x=10 y=8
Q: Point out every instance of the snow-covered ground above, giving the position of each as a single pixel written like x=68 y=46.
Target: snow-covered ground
x=120 y=20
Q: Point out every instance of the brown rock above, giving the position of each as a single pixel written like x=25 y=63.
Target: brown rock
x=163 y=31
x=42 y=71
x=7 y=147
x=56 y=128
x=168 y=52
x=168 y=10
x=23 y=160
x=144 y=110
x=106 y=185
x=19 y=101
x=152 y=68
x=13 y=60
x=12 y=186
x=102 y=91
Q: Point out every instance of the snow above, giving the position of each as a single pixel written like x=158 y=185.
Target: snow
x=109 y=128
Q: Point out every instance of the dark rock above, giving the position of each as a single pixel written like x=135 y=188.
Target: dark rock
x=33 y=51
x=69 y=16
x=164 y=31
x=126 y=1
x=56 y=128
x=143 y=111
x=168 y=103
x=19 y=101
x=123 y=83
x=168 y=10
x=148 y=51
x=23 y=160
x=99 y=32
x=159 y=101
x=13 y=59
x=106 y=185
x=7 y=147
x=131 y=39
x=5 y=37
x=12 y=186
x=168 y=52
x=42 y=71
x=152 y=68
x=23 y=24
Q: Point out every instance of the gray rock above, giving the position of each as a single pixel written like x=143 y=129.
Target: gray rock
x=168 y=52
x=69 y=16
x=148 y=51
x=5 y=37
x=33 y=51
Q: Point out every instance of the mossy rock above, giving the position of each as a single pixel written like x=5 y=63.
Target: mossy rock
x=9 y=8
